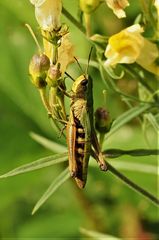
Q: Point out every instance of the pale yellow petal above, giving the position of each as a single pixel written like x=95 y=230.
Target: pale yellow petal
x=48 y=13
x=37 y=3
x=118 y=7
x=148 y=57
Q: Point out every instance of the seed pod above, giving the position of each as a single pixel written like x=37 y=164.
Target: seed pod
x=38 y=68
x=88 y=6
x=102 y=120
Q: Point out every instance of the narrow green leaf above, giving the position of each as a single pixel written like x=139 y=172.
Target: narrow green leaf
x=40 y=163
x=126 y=117
x=52 y=188
x=114 y=152
x=55 y=147
x=153 y=121
x=135 y=167
x=96 y=235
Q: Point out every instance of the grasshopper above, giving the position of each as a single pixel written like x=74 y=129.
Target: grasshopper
x=80 y=132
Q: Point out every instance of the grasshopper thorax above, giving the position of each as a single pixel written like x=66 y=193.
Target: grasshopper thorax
x=80 y=86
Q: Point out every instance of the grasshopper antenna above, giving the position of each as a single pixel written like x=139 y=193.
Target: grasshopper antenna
x=89 y=58
x=79 y=65
x=34 y=37
x=68 y=75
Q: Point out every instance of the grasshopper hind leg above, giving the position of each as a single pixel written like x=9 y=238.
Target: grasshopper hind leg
x=99 y=159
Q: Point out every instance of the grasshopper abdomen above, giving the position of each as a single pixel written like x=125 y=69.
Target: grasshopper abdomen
x=79 y=151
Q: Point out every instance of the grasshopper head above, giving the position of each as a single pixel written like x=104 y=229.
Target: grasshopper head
x=80 y=86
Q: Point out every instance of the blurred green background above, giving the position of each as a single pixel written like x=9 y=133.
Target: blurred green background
x=106 y=205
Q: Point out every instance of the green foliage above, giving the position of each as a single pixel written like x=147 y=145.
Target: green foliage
x=106 y=207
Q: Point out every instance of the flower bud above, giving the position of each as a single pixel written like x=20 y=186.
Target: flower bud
x=54 y=74
x=102 y=120
x=88 y=6
x=99 y=38
x=38 y=67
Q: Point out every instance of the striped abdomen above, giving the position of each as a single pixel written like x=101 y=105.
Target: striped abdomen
x=78 y=150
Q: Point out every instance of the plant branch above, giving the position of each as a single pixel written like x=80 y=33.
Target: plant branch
x=133 y=185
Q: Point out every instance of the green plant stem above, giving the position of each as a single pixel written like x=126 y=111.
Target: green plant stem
x=45 y=101
x=133 y=185
x=73 y=20
x=101 y=139
x=87 y=19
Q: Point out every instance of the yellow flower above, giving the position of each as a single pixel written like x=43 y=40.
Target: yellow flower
x=117 y=6
x=157 y=5
x=125 y=46
x=48 y=13
x=149 y=57
x=129 y=46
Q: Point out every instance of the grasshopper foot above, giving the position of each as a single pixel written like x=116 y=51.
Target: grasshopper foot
x=103 y=167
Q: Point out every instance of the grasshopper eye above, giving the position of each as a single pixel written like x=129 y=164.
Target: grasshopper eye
x=84 y=82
